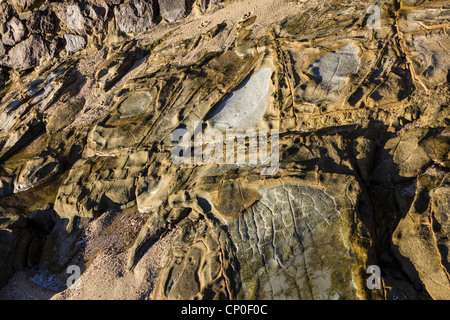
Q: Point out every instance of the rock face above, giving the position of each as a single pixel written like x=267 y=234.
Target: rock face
x=136 y=16
x=27 y=53
x=332 y=70
x=24 y=5
x=14 y=33
x=246 y=105
x=74 y=43
x=173 y=10
x=290 y=229
x=119 y=148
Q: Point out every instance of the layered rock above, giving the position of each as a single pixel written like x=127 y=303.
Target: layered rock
x=87 y=170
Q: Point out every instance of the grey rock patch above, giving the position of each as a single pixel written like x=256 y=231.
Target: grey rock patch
x=173 y=10
x=134 y=105
x=246 y=106
x=82 y=19
x=135 y=16
x=332 y=70
x=74 y=43
x=75 y=19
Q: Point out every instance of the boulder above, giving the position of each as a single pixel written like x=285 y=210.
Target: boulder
x=74 y=18
x=14 y=33
x=27 y=53
x=136 y=16
x=74 y=43
x=173 y=10
x=82 y=19
x=6 y=11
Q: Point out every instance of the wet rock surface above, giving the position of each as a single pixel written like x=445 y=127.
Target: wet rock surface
x=91 y=93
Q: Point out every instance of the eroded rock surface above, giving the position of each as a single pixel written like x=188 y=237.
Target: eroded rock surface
x=91 y=93
x=247 y=104
x=286 y=246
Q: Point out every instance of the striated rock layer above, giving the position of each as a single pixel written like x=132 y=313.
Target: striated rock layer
x=349 y=98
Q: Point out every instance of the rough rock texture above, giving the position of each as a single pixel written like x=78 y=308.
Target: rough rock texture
x=173 y=10
x=42 y=22
x=136 y=16
x=14 y=32
x=27 y=53
x=74 y=43
x=24 y=5
x=93 y=92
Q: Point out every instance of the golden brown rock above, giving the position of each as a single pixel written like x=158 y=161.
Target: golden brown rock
x=353 y=98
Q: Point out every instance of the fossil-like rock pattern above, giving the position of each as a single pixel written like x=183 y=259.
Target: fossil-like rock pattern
x=287 y=248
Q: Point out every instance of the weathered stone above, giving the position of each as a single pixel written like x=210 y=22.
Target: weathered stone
x=6 y=186
x=24 y=5
x=404 y=157
x=282 y=238
x=246 y=106
x=136 y=16
x=27 y=53
x=60 y=247
x=331 y=70
x=44 y=219
x=134 y=105
x=35 y=172
x=2 y=50
x=75 y=19
x=14 y=32
x=243 y=198
x=6 y=12
x=196 y=254
x=88 y=141
x=14 y=242
x=205 y=4
x=74 y=43
x=173 y=10
x=42 y=22
x=421 y=238
x=81 y=18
